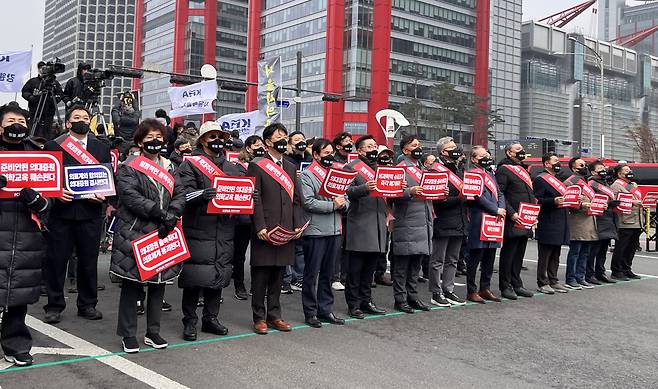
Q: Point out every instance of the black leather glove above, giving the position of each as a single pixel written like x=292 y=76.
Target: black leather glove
x=167 y=224
x=156 y=213
x=613 y=203
x=209 y=194
x=34 y=201
x=3 y=181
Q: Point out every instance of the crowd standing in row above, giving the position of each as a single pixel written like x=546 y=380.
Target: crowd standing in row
x=342 y=242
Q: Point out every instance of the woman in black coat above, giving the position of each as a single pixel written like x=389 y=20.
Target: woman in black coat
x=209 y=236
x=145 y=205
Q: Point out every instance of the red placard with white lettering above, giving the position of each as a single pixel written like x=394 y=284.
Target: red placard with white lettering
x=625 y=203
x=389 y=182
x=528 y=214
x=233 y=156
x=234 y=195
x=39 y=170
x=650 y=200
x=473 y=185
x=336 y=183
x=114 y=156
x=154 y=255
x=434 y=186
x=278 y=236
x=572 y=196
x=492 y=228
x=599 y=205
x=352 y=156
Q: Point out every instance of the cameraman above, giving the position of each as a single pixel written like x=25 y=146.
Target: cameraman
x=125 y=116
x=74 y=91
x=41 y=89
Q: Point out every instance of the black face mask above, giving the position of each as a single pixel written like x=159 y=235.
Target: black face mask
x=259 y=152
x=216 y=145
x=80 y=128
x=228 y=144
x=371 y=155
x=327 y=161
x=186 y=151
x=300 y=146
x=486 y=162
x=454 y=154
x=630 y=176
x=384 y=161
x=417 y=153
x=557 y=167
x=603 y=174
x=281 y=145
x=521 y=155
x=348 y=148
x=582 y=171
x=15 y=131
x=153 y=146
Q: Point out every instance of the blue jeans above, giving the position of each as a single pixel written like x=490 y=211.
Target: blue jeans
x=295 y=273
x=577 y=260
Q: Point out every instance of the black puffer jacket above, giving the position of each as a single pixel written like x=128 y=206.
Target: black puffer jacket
x=138 y=197
x=451 y=214
x=209 y=236
x=22 y=248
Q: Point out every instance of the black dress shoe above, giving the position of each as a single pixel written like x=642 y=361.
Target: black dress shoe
x=213 y=326
x=619 y=277
x=523 y=292
x=632 y=276
x=372 y=309
x=604 y=279
x=419 y=305
x=509 y=294
x=592 y=280
x=90 y=314
x=404 y=307
x=52 y=317
x=356 y=313
x=331 y=319
x=189 y=332
x=313 y=321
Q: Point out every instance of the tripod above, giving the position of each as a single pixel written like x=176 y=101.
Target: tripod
x=92 y=105
x=46 y=95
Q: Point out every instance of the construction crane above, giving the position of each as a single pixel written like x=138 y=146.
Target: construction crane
x=633 y=39
x=562 y=18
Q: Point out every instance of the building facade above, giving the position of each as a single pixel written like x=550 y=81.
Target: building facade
x=180 y=36
x=639 y=18
x=97 y=32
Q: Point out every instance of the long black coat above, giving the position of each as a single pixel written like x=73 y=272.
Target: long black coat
x=451 y=214
x=489 y=204
x=138 y=197
x=553 y=227
x=608 y=223
x=22 y=249
x=209 y=236
x=273 y=206
x=516 y=191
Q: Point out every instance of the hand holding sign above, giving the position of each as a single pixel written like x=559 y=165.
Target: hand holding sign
x=473 y=185
x=389 y=182
x=572 y=196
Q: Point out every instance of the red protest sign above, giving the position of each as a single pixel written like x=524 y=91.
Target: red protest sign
x=572 y=196
x=434 y=186
x=625 y=203
x=336 y=182
x=599 y=205
x=233 y=156
x=492 y=228
x=528 y=214
x=352 y=156
x=154 y=255
x=650 y=200
x=234 y=195
x=278 y=236
x=114 y=155
x=389 y=182
x=473 y=185
x=39 y=170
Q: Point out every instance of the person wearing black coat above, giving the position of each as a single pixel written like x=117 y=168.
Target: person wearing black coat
x=145 y=205
x=75 y=224
x=450 y=228
x=74 y=91
x=553 y=224
x=606 y=227
x=209 y=236
x=37 y=91
x=515 y=182
x=22 y=245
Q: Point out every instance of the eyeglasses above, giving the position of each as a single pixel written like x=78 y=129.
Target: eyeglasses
x=213 y=136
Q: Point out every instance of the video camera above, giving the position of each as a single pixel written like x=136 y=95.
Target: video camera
x=52 y=68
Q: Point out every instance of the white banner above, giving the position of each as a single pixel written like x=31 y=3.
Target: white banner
x=14 y=70
x=192 y=99
x=245 y=122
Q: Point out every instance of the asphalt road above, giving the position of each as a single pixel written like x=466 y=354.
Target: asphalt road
x=605 y=337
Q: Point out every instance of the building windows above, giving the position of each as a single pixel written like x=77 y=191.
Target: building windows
x=416 y=49
x=293 y=13
x=435 y=12
x=294 y=32
x=431 y=73
x=432 y=32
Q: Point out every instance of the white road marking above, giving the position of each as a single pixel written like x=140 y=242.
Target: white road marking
x=82 y=347
x=564 y=265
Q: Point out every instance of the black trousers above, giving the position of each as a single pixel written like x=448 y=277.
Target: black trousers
x=211 y=299
x=15 y=337
x=360 y=270
x=380 y=265
x=405 y=277
x=240 y=244
x=548 y=263
x=340 y=264
x=131 y=291
x=266 y=280
x=485 y=259
x=596 y=259
x=625 y=247
x=64 y=235
x=319 y=256
x=511 y=260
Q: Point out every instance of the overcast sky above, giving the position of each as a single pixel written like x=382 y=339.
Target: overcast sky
x=22 y=24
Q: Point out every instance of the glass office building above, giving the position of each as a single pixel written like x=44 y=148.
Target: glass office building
x=97 y=32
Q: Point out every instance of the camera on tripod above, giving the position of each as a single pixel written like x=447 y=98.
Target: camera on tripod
x=51 y=68
x=94 y=81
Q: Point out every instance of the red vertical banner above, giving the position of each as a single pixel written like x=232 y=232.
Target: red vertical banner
x=381 y=62
x=253 y=54
x=482 y=27
x=333 y=82
x=137 y=46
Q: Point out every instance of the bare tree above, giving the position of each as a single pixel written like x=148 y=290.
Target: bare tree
x=645 y=143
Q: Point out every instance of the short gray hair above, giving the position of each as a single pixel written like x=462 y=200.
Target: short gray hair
x=442 y=143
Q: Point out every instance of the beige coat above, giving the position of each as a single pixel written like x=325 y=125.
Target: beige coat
x=633 y=219
x=581 y=226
